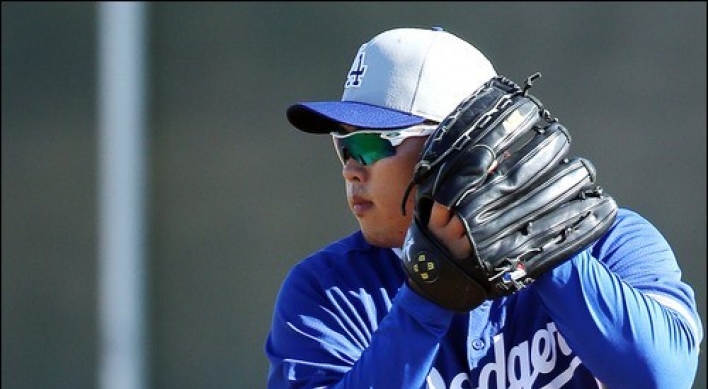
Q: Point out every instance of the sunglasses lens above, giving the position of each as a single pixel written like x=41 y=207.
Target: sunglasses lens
x=365 y=148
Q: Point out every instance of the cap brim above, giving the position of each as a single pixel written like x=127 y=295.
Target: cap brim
x=325 y=116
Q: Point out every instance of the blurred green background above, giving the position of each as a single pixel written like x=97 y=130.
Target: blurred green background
x=237 y=196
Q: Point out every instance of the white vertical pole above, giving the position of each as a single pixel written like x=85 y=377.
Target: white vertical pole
x=121 y=195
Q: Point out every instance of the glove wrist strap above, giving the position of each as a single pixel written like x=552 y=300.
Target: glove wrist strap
x=434 y=274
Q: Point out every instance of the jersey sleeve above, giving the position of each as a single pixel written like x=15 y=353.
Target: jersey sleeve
x=324 y=336
x=623 y=308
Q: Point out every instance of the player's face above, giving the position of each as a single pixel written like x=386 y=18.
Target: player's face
x=374 y=193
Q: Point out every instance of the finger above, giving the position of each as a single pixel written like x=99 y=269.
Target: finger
x=449 y=230
x=440 y=216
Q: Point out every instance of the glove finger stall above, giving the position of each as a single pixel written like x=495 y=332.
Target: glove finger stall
x=519 y=171
x=496 y=219
x=468 y=169
x=509 y=125
x=550 y=240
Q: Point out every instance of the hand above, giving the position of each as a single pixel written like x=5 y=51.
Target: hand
x=499 y=202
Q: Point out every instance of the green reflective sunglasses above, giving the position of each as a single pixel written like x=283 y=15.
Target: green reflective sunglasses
x=369 y=146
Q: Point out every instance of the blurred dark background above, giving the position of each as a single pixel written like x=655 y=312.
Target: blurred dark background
x=237 y=196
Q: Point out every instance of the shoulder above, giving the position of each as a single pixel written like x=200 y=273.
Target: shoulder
x=635 y=249
x=631 y=231
x=629 y=218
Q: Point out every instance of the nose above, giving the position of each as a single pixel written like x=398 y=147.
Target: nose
x=353 y=170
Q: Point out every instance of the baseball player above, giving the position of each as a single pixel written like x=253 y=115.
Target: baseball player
x=482 y=260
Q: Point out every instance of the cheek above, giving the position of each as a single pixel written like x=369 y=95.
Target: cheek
x=390 y=187
x=395 y=175
x=408 y=157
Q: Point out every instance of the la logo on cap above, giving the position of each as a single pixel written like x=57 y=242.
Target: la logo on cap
x=356 y=73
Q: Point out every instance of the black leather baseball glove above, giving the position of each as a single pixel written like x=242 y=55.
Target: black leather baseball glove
x=499 y=162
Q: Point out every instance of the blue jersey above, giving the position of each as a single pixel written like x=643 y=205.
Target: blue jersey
x=615 y=315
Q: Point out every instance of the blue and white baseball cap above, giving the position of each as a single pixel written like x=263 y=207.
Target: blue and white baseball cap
x=399 y=78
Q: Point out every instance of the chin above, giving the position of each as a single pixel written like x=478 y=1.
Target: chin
x=386 y=240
